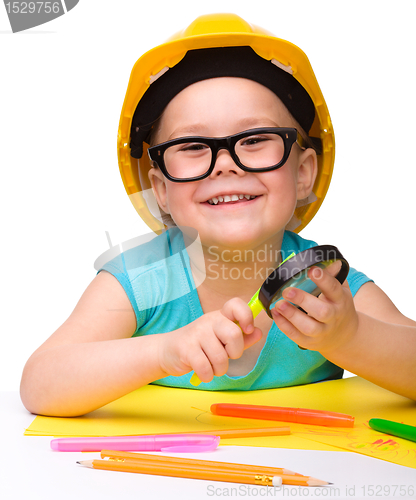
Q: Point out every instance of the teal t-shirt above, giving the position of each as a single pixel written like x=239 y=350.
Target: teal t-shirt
x=158 y=281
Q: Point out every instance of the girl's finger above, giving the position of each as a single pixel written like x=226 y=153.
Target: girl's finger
x=288 y=328
x=202 y=366
x=231 y=337
x=238 y=311
x=218 y=351
x=321 y=310
x=303 y=323
x=329 y=286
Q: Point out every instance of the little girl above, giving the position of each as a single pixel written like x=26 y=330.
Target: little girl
x=241 y=151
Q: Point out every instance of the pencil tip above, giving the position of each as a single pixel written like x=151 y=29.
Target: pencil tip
x=86 y=463
x=317 y=482
x=290 y=472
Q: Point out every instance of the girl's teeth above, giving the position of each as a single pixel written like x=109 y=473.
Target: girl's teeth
x=227 y=198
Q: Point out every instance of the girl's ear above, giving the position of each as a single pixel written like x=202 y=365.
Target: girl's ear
x=307 y=172
x=158 y=182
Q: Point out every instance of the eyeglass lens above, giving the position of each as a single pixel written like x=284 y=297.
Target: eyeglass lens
x=194 y=158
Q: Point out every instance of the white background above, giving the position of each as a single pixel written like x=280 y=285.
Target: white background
x=62 y=87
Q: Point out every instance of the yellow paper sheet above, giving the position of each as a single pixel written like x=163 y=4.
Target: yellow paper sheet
x=362 y=439
x=155 y=410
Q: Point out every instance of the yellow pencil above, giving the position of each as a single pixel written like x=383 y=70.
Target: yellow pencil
x=181 y=471
x=243 y=433
x=140 y=457
x=287 y=476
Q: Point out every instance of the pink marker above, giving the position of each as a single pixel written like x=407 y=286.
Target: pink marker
x=161 y=442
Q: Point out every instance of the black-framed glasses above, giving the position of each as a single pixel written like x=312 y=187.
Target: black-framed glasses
x=189 y=159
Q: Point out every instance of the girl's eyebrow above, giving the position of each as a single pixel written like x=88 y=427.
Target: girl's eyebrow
x=191 y=129
x=199 y=129
x=257 y=122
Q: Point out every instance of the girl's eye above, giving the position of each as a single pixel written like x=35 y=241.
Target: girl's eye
x=194 y=147
x=252 y=140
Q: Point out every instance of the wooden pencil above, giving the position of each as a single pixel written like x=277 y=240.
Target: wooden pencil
x=287 y=476
x=189 y=473
x=244 y=433
x=203 y=463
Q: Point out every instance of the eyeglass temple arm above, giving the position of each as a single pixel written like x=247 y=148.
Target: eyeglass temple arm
x=311 y=142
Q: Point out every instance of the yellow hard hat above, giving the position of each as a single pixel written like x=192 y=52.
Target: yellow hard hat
x=236 y=48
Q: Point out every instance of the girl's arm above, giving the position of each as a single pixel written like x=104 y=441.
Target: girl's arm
x=384 y=347
x=366 y=335
x=91 y=359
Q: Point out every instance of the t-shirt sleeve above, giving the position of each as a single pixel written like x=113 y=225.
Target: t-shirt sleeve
x=294 y=243
x=356 y=280
x=153 y=275
x=117 y=267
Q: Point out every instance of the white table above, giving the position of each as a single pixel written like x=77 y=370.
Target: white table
x=30 y=469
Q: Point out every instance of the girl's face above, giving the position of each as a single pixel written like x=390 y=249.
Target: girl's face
x=217 y=108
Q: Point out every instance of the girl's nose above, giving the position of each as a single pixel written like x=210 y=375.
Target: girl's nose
x=224 y=164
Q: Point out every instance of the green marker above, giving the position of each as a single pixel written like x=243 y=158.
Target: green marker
x=255 y=303
x=394 y=428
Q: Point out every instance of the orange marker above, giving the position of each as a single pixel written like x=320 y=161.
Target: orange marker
x=298 y=415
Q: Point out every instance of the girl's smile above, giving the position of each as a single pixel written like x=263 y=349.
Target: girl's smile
x=231 y=199
x=228 y=201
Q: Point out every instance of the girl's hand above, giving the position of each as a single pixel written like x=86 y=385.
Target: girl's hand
x=206 y=344
x=331 y=319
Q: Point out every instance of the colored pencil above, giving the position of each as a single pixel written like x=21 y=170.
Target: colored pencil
x=288 y=477
x=210 y=474
x=243 y=433
x=139 y=457
x=180 y=471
